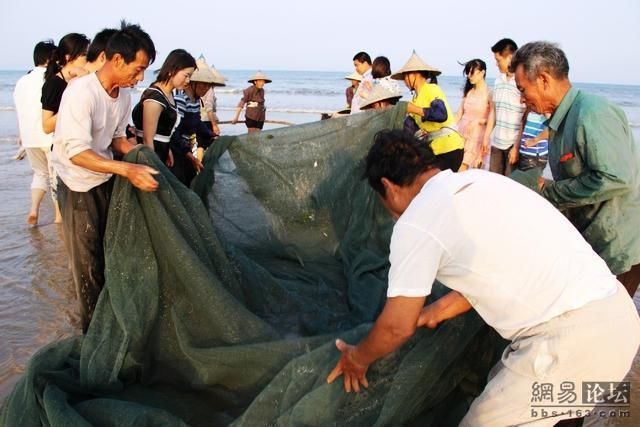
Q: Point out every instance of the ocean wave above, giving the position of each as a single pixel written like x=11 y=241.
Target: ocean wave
x=282 y=110
x=8 y=139
x=292 y=91
x=7 y=108
x=628 y=104
x=634 y=125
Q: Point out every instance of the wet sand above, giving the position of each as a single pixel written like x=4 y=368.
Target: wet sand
x=37 y=301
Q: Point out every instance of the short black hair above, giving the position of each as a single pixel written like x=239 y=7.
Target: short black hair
x=381 y=67
x=362 y=57
x=504 y=46
x=99 y=43
x=398 y=156
x=42 y=52
x=128 y=40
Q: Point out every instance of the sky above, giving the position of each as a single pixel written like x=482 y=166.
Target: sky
x=601 y=39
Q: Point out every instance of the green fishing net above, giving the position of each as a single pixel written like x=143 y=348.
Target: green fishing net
x=222 y=304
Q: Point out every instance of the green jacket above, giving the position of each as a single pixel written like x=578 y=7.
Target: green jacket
x=595 y=165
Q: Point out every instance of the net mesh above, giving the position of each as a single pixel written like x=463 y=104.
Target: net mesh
x=222 y=304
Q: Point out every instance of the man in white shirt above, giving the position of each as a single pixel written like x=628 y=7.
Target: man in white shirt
x=91 y=123
x=362 y=64
x=551 y=308
x=36 y=143
x=506 y=117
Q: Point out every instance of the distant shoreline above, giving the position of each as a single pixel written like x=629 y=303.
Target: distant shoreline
x=490 y=77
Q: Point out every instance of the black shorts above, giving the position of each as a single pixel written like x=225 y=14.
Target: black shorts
x=526 y=162
x=451 y=160
x=253 y=123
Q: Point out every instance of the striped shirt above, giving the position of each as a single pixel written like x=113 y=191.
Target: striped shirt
x=186 y=104
x=535 y=124
x=509 y=111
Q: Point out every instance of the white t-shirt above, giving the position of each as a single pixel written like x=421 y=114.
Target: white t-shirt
x=26 y=96
x=88 y=119
x=467 y=230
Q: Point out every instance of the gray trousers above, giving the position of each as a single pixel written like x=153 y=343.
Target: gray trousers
x=499 y=161
x=84 y=220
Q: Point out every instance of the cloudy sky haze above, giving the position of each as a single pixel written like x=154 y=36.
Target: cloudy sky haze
x=601 y=39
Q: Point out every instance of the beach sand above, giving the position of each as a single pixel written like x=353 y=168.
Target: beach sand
x=37 y=301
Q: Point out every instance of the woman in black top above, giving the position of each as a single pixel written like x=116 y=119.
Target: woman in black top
x=156 y=115
x=66 y=63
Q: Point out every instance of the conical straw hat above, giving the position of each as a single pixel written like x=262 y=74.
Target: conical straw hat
x=220 y=79
x=415 y=63
x=259 y=76
x=379 y=93
x=203 y=72
x=354 y=76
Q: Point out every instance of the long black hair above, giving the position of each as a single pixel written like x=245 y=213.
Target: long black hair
x=73 y=45
x=469 y=68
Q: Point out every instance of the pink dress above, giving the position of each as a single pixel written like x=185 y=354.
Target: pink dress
x=472 y=126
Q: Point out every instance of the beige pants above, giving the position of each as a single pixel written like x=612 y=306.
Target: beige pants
x=597 y=342
x=44 y=176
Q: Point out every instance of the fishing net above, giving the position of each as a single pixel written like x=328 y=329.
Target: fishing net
x=222 y=304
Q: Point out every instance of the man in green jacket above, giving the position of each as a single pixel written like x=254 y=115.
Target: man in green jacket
x=593 y=158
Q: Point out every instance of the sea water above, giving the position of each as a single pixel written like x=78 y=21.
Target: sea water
x=302 y=96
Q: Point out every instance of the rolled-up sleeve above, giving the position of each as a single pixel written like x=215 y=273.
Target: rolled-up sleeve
x=415 y=258
x=436 y=112
x=210 y=104
x=208 y=101
x=73 y=127
x=246 y=97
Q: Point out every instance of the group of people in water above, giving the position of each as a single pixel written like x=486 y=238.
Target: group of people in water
x=175 y=116
x=556 y=274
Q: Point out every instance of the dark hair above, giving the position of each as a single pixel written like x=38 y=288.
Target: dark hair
x=127 y=41
x=504 y=46
x=73 y=45
x=398 y=156
x=381 y=67
x=536 y=57
x=469 y=68
x=177 y=60
x=429 y=75
x=99 y=43
x=362 y=57
x=42 y=52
